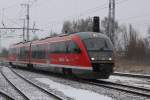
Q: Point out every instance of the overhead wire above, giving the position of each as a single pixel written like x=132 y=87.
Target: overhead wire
x=13 y=22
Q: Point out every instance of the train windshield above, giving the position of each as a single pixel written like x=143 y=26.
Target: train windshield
x=98 y=44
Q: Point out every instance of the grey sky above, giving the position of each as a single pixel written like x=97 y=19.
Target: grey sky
x=50 y=14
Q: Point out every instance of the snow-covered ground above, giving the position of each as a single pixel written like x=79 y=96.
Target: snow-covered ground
x=130 y=81
x=134 y=74
x=76 y=90
x=77 y=94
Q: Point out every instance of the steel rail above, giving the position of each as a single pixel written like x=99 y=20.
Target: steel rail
x=39 y=87
x=116 y=86
x=131 y=75
x=8 y=97
x=121 y=87
x=18 y=90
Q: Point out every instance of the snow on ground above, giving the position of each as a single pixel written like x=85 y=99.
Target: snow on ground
x=135 y=74
x=130 y=81
x=77 y=94
x=123 y=78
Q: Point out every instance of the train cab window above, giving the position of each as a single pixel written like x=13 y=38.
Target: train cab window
x=97 y=44
x=73 y=47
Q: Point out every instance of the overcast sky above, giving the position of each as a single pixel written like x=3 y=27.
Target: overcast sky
x=50 y=14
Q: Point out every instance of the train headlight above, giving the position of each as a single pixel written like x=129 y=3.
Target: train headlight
x=110 y=58
x=92 y=58
x=94 y=35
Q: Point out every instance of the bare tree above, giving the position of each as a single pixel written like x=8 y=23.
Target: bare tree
x=67 y=27
x=52 y=33
x=105 y=30
x=81 y=25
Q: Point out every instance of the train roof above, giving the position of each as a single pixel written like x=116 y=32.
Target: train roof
x=85 y=35
x=20 y=44
x=82 y=35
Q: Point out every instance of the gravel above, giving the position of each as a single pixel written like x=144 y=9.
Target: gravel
x=116 y=95
x=2 y=97
x=32 y=92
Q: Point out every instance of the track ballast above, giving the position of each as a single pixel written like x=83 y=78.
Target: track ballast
x=26 y=88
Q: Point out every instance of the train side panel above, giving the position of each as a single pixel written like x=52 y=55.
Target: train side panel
x=67 y=54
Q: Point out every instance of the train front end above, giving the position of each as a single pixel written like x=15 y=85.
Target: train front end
x=100 y=52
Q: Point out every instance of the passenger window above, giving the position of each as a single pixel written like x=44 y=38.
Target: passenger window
x=51 y=48
x=64 y=47
x=39 y=51
x=59 y=47
x=22 y=52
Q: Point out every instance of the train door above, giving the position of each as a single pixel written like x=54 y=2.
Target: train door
x=73 y=54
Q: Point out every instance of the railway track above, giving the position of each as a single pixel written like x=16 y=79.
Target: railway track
x=6 y=96
x=116 y=86
x=27 y=89
x=132 y=75
x=121 y=87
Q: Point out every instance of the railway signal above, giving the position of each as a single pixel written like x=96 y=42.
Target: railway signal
x=96 y=26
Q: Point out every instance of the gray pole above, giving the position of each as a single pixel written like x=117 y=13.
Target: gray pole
x=111 y=20
x=28 y=8
x=23 y=30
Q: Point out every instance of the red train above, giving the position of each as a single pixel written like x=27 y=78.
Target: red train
x=86 y=54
